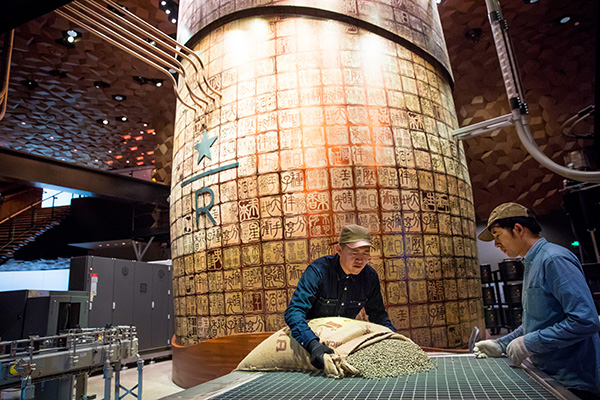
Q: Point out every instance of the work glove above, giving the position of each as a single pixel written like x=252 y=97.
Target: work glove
x=516 y=351
x=487 y=348
x=317 y=350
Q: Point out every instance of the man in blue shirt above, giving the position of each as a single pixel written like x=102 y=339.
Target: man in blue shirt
x=337 y=285
x=559 y=331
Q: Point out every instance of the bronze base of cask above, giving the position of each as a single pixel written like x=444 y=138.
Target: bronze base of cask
x=202 y=362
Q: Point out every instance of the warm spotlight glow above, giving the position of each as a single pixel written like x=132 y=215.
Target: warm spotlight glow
x=238 y=46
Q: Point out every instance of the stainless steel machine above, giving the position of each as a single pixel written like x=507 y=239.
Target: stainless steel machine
x=57 y=366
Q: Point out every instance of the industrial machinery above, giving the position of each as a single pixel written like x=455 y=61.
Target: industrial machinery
x=57 y=366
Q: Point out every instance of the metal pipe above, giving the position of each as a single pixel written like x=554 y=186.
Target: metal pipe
x=158 y=40
x=529 y=144
x=167 y=60
x=6 y=57
x=122 y=47
x=166 y=38
x=516 y=99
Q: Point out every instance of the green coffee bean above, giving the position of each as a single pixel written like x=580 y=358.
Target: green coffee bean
x=390 y=358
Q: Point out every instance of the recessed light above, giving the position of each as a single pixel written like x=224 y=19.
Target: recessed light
x=103 y=121
x=122 y=118
x=101 y=85
x=174 y=20
x=167 y=11
x=563 y=19
x=119 y=97
x=30 y=84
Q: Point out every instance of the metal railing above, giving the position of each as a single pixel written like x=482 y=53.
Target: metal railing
x=10 y=237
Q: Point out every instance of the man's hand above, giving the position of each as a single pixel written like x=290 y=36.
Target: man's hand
x=317 y=350
x=487 y=348
x=516 y=351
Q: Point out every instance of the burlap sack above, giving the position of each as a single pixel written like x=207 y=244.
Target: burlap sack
x=281 y=352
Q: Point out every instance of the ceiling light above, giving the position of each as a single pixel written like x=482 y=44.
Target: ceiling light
x=134 y=148
x=157 y=82
x=126 y=137
x=137 y=138
x=565 y=19
x=530 y=1
x=119 y=97
x=103 y=121
x=69 y=37
x=144 y=124
x=473 y=34
x=167 y=11
x=122 y=118
x=101 y=85
x=30 y=84
x=140 y=79
x=174 y=20
x=163 y=3
x=23 y=123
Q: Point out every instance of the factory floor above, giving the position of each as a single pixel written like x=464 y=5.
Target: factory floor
x=156 y=382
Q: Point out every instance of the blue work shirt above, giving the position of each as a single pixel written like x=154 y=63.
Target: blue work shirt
x=324 y=290
x=560 y=322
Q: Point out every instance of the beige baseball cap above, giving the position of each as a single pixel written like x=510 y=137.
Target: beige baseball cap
x=355 y=236
x=504 y=210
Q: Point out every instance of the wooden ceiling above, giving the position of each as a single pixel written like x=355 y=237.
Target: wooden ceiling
x=59 y=118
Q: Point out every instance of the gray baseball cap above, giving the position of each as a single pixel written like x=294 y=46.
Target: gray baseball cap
x=504 y=210
x=355 y=236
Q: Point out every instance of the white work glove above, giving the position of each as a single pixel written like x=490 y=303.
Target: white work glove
x=485 y=348
x=516 y=351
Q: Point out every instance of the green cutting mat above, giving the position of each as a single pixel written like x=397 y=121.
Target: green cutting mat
x=456 y=377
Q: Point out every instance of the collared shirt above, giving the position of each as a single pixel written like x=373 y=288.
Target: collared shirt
x=560 y=322
x=324 y=290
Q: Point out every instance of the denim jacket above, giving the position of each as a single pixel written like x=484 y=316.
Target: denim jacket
x=560 y=322
x=324 y=290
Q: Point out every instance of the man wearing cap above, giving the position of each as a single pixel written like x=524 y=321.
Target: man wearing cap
x=337 y=285
x=560 y=324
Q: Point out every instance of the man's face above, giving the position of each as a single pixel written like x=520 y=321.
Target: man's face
x=510 y=242
x=354 y=260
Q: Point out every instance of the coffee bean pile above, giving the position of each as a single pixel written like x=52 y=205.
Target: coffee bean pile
x=390 y=358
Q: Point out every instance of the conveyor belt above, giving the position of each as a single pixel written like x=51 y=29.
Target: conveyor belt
x=457 y=377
